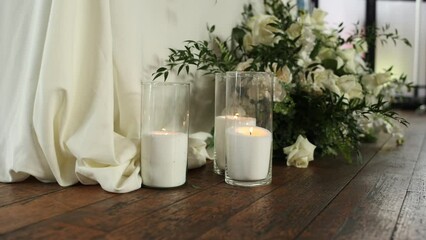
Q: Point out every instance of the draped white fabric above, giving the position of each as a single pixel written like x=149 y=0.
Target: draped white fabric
x=70 y=75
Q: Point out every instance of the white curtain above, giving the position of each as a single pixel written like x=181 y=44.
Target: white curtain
x=70 y=75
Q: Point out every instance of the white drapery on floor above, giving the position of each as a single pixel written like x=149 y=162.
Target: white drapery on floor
x=69 y=83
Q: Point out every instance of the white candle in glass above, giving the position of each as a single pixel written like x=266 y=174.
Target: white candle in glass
x=164 y=159
x=248 y=153
x=220 y=126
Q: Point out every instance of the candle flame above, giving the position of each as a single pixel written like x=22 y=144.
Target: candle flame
x=163 y=129
x=251 y=131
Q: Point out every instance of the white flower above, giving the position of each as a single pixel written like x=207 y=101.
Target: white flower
x=307 y=41
x=325 y=79
x=244 y=65
x=375 y=82
x=248 y=42
x=294 y=30
x=317 y=18
x=197 y=153
x=300 y=153
x=350 y=86
x=282 y=74
x=329 y=53
x=348 y=55
x=261 y=31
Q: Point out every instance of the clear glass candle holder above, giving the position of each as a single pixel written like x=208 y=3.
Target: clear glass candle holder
x=220 y=123
x=164 y=133
x=248 y=128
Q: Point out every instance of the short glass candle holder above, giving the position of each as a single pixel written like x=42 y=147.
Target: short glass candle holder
x=164 y=133
x=248 y=128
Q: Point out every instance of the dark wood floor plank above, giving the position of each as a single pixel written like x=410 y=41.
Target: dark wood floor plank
x=122 y=209
x=34 y=210
x=283 y=213
x=369 y=206
x=56 y=231
x=193 y=216
x=31 y=188
x=411 y=222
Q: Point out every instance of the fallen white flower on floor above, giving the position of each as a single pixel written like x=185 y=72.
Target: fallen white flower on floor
x=300 y=153
x=197 y=153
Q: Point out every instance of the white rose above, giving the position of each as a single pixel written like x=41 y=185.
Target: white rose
x=348 y=55
x=382 y=78
x=350 y=86
x=329 y=53
x=248 y=42
x=282 y=74
x=294 y=31
x=307 y=41
x=261 y=30
x=325 y=79
x=317 y=18
x=375 y=82
x=197 y=153
x=244 y=65
x=300 y=153
x=326 y=53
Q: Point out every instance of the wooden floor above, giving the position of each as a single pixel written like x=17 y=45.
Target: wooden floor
x=383 y=198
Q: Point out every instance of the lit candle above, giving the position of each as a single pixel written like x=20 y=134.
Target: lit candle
x=164 y=159
x=220 y=126
x=248 y=153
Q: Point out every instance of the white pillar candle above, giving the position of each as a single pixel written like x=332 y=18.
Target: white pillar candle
x=220 y=126
x=164 y=159
x=248 y=153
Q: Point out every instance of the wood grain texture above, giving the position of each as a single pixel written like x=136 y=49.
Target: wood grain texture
x=369 y=206
x=34 y=210
x=121 y=209
x=285 y=212
x=411 y=222
x=31 y=188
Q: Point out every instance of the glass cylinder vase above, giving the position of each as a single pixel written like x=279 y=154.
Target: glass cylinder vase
x=164 y=133
x=220 y=123
x=248 y=134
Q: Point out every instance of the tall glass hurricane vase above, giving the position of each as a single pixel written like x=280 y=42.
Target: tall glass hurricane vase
x=164 y=133
x=248 y=128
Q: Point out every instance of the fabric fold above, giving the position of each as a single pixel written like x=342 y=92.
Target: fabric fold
x=74 y=104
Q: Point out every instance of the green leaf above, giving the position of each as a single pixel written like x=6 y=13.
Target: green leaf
x=180 y=69
x=330 y=64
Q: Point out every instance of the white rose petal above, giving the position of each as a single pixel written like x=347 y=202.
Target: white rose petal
x=300 y=153
x=248 y=42
x=327 y=80
x=294 y=31
x=318 y=17
x=350 y=86
x=197 y=153
x=244 y=65
x=261 y=31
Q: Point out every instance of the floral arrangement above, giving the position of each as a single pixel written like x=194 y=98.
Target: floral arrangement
x=327 y=98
